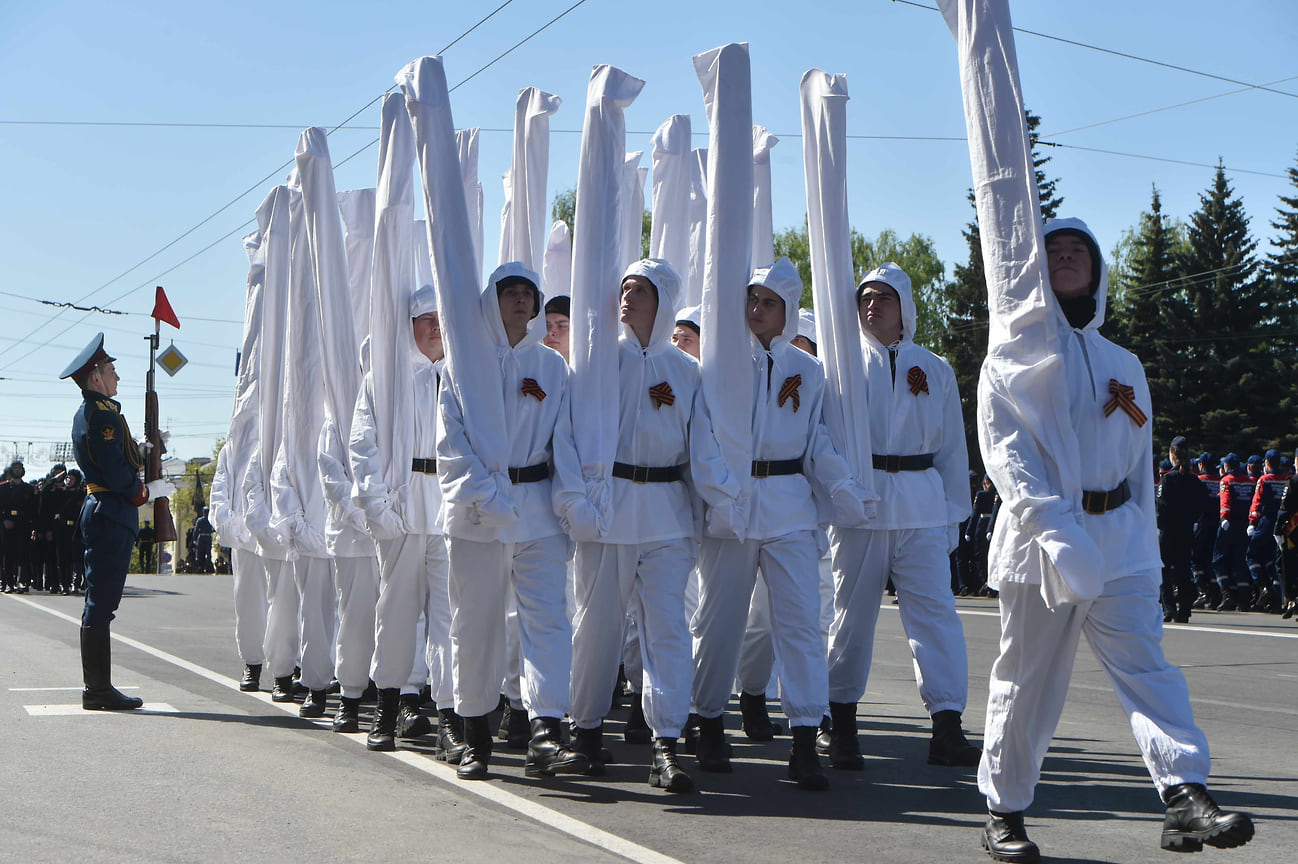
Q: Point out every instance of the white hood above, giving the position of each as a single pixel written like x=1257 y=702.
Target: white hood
x=1101 y=294
x=668 y=284
x=782 y=278
x=896 y=278
x=491 y=307
x=807 y=325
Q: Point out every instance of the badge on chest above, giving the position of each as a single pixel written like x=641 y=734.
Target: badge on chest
x=662 y=394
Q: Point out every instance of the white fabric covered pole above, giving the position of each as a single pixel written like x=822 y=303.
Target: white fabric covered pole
x=669 y=236
x=597 y=273
x=631 y=208
x=391 y=336
x=725 y=350
x=274 y=322
x=556 y=270
x=297 y=497
x=824 y=153
x=1024 y=344
x=698 y=226
x=469 y=351
x=466 y=144
x=357 y=209
x=528 y=173
x=505 y=249
x=763 y=217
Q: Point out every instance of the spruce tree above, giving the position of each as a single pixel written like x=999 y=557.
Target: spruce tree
x=1280 y=275
x=1149 y=314
x=963 y=342
x=1231 y=381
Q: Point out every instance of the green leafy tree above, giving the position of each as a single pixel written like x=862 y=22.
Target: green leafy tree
x=564 y=208
x=962 y=338
x=914 y=254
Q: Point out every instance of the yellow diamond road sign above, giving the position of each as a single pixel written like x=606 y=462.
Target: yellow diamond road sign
x=171 y=360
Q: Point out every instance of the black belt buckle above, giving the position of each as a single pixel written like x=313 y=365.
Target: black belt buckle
x=639 y=473
x=761 y=468
x=513 y=475
x=892 y=464
x=1098 y=509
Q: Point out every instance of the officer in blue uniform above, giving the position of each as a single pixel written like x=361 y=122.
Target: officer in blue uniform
x=110 y=461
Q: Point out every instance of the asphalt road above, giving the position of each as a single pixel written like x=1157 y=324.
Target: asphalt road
x=207 y=773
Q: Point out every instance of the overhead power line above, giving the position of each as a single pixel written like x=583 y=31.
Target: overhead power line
x=1126 y=55
x=277 y=170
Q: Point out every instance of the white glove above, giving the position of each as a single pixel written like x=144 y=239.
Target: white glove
x=1250 y=530
x=386 y=525
x=581 y=521
x=356 y=518
x=1225 y=524
x=849 y=509
x=730 y=520
x=159 y=489
x=145 y=446
x=499 y=510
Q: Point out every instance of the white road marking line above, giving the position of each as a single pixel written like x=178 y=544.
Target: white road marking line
x=78 y=711
x=495 y=793
x=1192 y=628
x=50 y=689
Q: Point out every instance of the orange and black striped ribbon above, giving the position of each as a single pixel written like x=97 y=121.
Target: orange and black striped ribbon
x=531 y=388
x=1124 y=397
x=790 y=391
x=917 y=380
x=662 y=394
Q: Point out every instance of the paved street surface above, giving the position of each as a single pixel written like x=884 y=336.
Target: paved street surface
x=207 y=773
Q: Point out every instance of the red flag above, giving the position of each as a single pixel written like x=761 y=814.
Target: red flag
x=162 y=309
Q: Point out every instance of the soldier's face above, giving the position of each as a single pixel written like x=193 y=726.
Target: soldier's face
x=765 y=313
x=639 y=304
x=880 y=312
x=687 y=340
x=428 y=336
x=556 y=332
x=1069 y=260
x=104 y=379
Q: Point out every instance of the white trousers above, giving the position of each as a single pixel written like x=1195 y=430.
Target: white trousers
x=916 y=560
x=281 y=643
x=1029 y=682
x=647 y=580
x=316 y=619
x=756 y=674
x=250 y=605
x=356 y=591
x=483 y=576
x=512 y=686
x=727 y=575
x=412 y=579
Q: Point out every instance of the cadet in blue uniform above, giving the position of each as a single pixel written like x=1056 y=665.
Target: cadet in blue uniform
x=110 y=460
x=1235 y=497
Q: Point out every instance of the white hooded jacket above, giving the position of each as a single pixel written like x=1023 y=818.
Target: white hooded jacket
x=654 y=432
x=787 y=423
x=914 y=410
x=534 y=383
x=1035 y=510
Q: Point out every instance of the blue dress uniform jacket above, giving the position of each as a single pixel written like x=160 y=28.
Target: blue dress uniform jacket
x=111 y=463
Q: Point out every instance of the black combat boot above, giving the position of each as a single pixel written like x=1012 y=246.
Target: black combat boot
x=1229 y=602
x=547 y=756
x=251 y=680
x=383 y=733
x=636 y=730
x=1193 y=819
x=804 y=764
x=313 y=705
x=665 y=772
x=347 y=717
x=1005 y=839
x=590 y=743
x=450 y=736
x=713 y=750
x=411 y=722
x=96 y=665
x=823 y=734
x=756 y=719
x=477 y=749
x=283 y=691
x=844 y=749
x=949 y=746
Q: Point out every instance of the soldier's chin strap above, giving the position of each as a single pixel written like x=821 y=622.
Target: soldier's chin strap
x=1078 y=310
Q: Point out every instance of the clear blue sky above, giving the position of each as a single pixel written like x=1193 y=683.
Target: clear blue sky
x=83 y=205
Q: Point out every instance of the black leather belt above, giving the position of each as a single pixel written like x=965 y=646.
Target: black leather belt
x=893 y=464
x=1097 y=503
x=646 y=474
x=776 y=467
x=530 y=474
x=423 y=466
